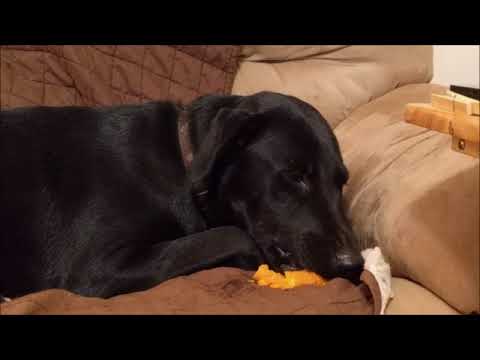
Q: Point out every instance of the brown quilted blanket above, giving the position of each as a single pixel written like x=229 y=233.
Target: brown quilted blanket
x=103 y=75
x=221 y=291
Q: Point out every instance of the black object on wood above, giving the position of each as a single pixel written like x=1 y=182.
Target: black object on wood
x=470 y=92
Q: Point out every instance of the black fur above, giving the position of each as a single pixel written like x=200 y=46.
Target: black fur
x=98 y=201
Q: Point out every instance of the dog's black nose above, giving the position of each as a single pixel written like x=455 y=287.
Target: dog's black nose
x=350 y=267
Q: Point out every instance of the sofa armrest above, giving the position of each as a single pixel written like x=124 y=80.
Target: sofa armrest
x=415 y=197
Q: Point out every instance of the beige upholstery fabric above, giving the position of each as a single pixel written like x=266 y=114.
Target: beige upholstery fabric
x=334 y=79
x=414 y=197
x=409 y=192
x=413 y=299
x=285 y=52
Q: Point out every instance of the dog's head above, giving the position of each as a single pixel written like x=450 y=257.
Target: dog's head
x=270 y=164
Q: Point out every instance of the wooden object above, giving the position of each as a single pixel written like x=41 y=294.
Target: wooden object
x=454 y=104
x=452 y=114
x=464 y=146
x=475 y=104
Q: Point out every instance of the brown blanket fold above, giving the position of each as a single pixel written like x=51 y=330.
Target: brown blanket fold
x=221 y=291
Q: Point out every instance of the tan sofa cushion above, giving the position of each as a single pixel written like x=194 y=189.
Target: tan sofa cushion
x=409 y=193
x=413 y=299
x=285 y=52
x=334 y=79
x=414 y=197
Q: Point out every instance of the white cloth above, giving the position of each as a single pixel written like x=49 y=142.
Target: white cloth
x=380 y=269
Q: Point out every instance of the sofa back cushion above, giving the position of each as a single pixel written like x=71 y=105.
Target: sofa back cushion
x=336 y=79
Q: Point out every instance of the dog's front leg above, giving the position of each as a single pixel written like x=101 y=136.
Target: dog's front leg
x=222 y=246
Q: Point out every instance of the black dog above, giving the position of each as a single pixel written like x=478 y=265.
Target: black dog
x=98 y=201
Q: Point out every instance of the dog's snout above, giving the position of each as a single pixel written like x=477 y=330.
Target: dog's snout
x=350 y=267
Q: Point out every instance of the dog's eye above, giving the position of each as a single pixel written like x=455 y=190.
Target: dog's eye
x=298 y=178
x=295 y=176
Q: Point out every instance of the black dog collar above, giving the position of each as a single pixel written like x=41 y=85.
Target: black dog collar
x=184 y=137
x=201 y=200
x=199 y=195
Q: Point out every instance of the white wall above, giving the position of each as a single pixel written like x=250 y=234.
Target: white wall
x=456 y=65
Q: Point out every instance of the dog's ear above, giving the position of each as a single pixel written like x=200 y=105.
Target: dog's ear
x=229 y=132
x=203 y=111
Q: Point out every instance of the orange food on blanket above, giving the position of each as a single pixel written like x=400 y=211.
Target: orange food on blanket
x=266 y=277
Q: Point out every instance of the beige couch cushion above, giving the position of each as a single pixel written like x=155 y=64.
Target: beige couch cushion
x=413 y=299
x=409 y=193
x=414 y=196
x=285 y=52
x=334 y=79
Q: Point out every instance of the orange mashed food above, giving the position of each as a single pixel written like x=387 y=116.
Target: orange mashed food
x=266 y=277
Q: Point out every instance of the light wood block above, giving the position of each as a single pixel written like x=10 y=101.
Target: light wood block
x=464 y=128
x=425 y=115
x=474 y=105
x=466 y=147
x=452 y=104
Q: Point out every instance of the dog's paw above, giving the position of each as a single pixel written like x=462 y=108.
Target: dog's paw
x=380 y=269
